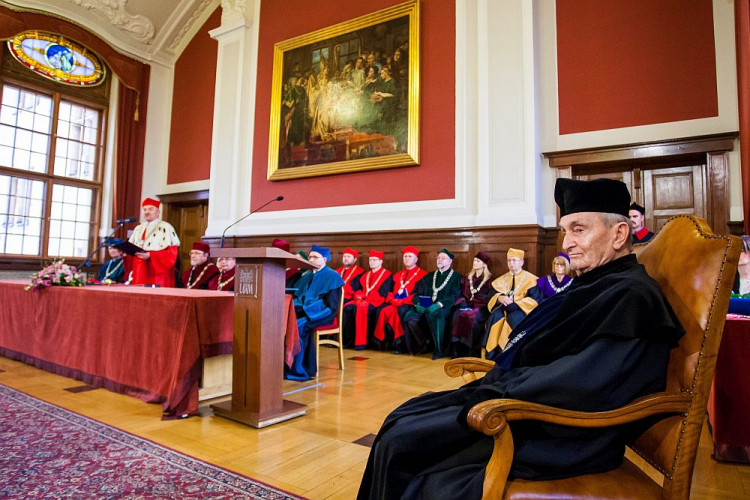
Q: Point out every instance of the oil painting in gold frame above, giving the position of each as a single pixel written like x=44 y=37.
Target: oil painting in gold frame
x=346 y=98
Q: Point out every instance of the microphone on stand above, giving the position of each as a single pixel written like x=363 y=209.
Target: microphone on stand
x=278 y=198
x=129 y=219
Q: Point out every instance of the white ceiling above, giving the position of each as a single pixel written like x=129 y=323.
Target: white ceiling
x=150 y=30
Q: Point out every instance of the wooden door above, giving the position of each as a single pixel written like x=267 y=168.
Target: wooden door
x=673 y=191
x=190 y=220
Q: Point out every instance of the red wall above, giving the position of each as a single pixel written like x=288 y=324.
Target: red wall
x=623 y=63
x=193 y=107
x=433 y=179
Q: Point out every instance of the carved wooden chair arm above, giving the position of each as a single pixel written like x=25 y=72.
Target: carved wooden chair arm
x=468 y=368
x=492 y=417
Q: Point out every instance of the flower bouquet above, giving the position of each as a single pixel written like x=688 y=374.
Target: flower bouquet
x=58 y=273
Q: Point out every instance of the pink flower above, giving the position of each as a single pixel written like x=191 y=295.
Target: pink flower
x=46 y=283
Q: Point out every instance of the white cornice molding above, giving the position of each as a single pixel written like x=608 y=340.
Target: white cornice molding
x=180 y=29
x=136 y=26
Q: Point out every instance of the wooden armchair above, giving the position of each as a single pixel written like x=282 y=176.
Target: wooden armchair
x=695 y=269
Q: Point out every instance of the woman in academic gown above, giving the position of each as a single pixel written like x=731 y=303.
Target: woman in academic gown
x=468 y=323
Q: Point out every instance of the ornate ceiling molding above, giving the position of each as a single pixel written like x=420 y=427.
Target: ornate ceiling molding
x=138 y=27
x=187 y=26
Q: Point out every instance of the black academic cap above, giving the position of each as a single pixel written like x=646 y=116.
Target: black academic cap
x=448 y=253
x=636 y=206
x=600 y=195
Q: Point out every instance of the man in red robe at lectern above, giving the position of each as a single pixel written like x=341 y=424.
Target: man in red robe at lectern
x=389 y=327
x=370 y=291
x=158 y=239
x=349 y=272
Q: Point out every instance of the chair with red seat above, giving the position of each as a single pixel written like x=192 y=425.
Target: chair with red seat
x=332 y=330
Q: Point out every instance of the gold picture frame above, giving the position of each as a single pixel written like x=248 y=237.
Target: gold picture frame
x=346 y=98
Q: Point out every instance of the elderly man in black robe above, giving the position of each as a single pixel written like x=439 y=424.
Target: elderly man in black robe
x=599 y=345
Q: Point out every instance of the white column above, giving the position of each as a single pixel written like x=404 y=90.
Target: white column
x=234 y=113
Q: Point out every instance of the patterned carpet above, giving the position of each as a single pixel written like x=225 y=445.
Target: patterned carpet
x=49 y=452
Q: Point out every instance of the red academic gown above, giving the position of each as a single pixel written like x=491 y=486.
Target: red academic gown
x=225 y=280
x=349 y=275
x=365 y=299
x=406 y=280
x=157 y=270
x=198 y=277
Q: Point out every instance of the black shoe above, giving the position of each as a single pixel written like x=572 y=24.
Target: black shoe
x=438 y=355
x=360 y=347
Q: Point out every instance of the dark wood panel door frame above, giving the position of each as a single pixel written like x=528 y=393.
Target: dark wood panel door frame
x=710 y=151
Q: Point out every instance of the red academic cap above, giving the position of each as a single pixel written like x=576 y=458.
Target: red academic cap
x=201 y=246
x=152 y=202
x=282 y=244
x=376 y=254
x=351 y=252
x=410 y=249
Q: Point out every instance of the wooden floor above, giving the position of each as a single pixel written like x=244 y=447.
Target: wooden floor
x=317 y=456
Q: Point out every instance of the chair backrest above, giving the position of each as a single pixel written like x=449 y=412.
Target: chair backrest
x=695 y=269
x=341 y=311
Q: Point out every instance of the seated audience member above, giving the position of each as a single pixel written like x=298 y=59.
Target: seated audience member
x=349 y=272
x=515 y=296
x=155 y=265
x=637 y=216
x=742 y=279
x=389 y=328
x=113 y=271
x=470 y=311
x=370 y=291
x=201 y=271
x=613 y=322
x=224 y=281
x=433 y=297
x=559 y=280
x=316 y=301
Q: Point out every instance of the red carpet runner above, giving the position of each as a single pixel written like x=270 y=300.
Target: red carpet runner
x=49 y=452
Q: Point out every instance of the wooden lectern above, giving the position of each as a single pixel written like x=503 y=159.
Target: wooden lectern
x=258 y=345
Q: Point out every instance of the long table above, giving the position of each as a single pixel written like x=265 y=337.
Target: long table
x=729 y=402
x=149 y=343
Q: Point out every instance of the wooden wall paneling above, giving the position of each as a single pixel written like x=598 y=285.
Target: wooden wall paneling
x=539 y=244
x=673 y=191
x=718 y=191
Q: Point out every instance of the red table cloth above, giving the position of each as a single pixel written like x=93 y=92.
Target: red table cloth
x=145 y=342
x=729 y=401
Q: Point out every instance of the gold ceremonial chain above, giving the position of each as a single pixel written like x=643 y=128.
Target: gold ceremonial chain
x=367 y=281
x=109 y=273
x=402 y=287
x=435 y=291
x=221 y=284
x=475 y=290
x=558 y=290
x=518 y=284
x=190 y=278
x=346 y=280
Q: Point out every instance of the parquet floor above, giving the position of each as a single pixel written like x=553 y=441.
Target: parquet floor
x=321 y=455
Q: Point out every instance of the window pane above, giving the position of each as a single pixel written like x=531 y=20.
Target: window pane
x=21 y=215
x=77 y=140
x=70 y=221
x=8 y=115
x=22 y=112
x=10 y=96
x=7 y=135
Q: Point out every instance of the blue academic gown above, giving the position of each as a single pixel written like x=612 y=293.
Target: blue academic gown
x=114 y=266
x=316 y=303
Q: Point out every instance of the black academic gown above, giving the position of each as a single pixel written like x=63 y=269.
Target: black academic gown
x=595 y=347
